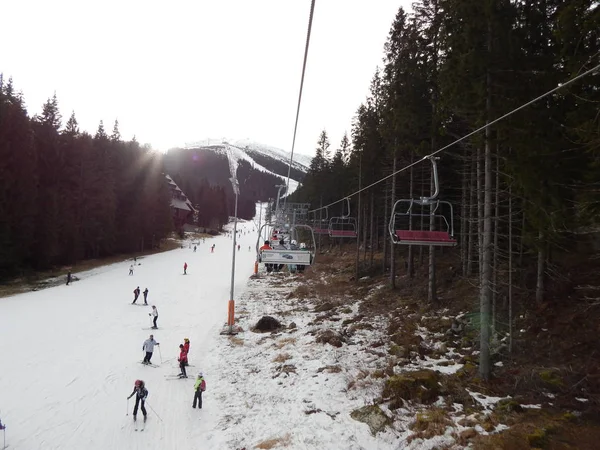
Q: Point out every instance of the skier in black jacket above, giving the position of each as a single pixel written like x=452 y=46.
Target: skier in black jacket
x=141 y=394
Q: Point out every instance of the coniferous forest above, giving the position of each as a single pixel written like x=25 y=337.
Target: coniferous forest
x=67 y=195
x=525 y=190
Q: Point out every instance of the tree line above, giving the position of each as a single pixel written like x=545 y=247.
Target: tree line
x=525 y=189
x=66 y=195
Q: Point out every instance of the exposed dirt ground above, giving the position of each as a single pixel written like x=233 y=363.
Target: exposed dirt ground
x=554 y=361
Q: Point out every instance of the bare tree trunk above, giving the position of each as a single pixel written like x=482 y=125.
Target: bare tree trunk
x=357 y=275
x=410 y=265
x=377 y=235
x=386 y=219
x=480 y=200
x=522 y=241
x=431 y=284
x=486 y=250
x=541 y=268
x=393 y=250
x=464 y=248
x=320 y=221
x=510 y=271
x=365 y=222
x=422 y=226
x=470 y=248
x=496 y=233
x=372 y=207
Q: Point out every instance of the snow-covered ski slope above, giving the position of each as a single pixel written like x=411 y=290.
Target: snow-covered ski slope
x=69 y=355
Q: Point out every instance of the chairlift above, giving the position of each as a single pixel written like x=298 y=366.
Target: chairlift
x=406 y=228
x=344 y=226
x=321 y=225
x=283 y=255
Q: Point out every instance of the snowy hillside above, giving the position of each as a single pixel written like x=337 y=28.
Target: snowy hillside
x=300 y=162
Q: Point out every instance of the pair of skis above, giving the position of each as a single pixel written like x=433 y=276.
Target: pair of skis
x=136 y=426
x=175 y=377
x=150 y=365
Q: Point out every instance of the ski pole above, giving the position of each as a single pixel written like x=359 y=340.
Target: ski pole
x=160 y=354
x=153 y=411
x=127 y=413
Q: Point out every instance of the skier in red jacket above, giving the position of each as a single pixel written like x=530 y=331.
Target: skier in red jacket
x=182 y=361
x=185 y=268
x=186 y=347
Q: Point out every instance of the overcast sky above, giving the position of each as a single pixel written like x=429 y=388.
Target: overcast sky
x=185 y=70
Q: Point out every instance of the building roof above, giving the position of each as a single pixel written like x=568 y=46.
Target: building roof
x=186 y=205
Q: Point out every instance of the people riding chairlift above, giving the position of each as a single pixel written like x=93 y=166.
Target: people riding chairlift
x=267 y=246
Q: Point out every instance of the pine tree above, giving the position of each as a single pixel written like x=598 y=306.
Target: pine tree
x=72 y=127
x=116 y=135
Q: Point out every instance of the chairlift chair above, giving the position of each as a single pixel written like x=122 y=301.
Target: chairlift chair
x=405 y=227
x=344 y=226
x=321 y=225
x=284 y=255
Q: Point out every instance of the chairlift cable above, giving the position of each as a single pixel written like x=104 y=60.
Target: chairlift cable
x=310 y=19
x=560 y=86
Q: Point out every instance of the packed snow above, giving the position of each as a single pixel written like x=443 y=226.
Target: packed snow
x=70 y=354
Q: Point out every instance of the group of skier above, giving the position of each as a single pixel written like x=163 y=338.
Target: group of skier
x=136 y=294
x=139 y=390
x=141 y=395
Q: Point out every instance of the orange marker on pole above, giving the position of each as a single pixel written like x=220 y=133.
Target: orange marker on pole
x=230 y=313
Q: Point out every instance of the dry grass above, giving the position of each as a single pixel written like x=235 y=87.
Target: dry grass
x=360 y=380
x=283 y=441
x=430 y=423
x=285 y=341
x=300 y=292
x=233 y=340
x=282 y=357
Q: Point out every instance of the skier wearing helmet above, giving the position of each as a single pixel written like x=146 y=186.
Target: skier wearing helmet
x=141 y=394
x=199 y=387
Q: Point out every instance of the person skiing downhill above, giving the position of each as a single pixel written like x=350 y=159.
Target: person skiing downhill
x=154 y=314
x=199 y=388
x=182 y=361
x=185 y=268
x=68 y=277
x=145 y=296
x=141 y=393
x=136 y=294
x=148 y=347
x=131 y=269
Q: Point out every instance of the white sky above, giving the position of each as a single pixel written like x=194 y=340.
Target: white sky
x=185 y=70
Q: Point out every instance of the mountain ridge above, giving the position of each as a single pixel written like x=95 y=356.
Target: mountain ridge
x=258 y=169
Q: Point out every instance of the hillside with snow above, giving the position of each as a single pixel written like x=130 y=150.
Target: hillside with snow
x=258 y=170
x=275 y=159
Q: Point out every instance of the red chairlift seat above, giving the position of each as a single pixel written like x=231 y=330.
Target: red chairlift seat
x=342 y=233
x=403 y=220
x=423 y=237
x=344 y=226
